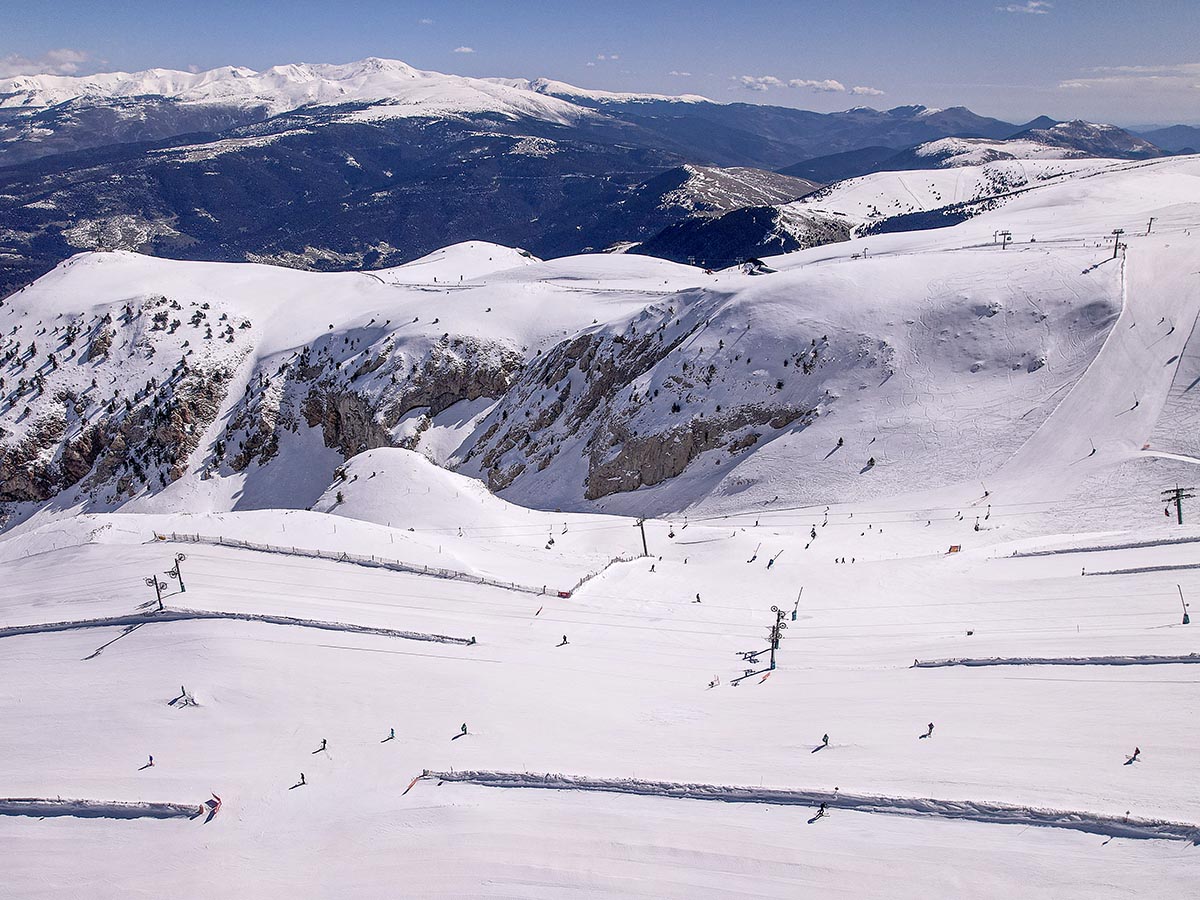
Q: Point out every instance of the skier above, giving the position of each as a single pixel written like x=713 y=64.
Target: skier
x=302 y=781
x=840 y=442
x=697 y=600
x=770 y=562
x=564 y=641
x=825 y=743
x=464 y=728
x=928 y=733
x=392 y=734
x=151 y=763
x=1137 y=751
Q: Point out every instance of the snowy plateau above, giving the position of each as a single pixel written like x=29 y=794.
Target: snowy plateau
x=843 y=572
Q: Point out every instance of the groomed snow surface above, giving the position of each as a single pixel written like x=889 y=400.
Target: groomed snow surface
x=621 y=694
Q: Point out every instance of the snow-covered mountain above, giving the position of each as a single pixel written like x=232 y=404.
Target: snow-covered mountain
x=590 y=96
x=395 y=86
x=375 y=163
x=1093 y=139
x=582 y=382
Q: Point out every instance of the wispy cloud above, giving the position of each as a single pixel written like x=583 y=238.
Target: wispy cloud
x=678 y=74
x=607 y=56
x=424 y=21
x=1030 y=8
x=464 y=49
x=1183 y=78
x=63 y=61
x=763 y=83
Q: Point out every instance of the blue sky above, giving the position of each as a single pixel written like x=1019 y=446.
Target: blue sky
x=1129 y=62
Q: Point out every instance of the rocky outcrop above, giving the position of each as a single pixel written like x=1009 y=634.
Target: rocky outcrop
x=652 y=459
x=147 y=443
x=359 y=396
x=347 y=421
x=641 y=403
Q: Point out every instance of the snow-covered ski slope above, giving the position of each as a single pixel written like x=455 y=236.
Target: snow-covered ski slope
x=640 y=694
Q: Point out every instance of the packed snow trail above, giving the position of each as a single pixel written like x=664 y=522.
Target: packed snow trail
x=1101 y=409
x=1146 y=660
x=39 y=807
x=975 y=811
x=190 y=615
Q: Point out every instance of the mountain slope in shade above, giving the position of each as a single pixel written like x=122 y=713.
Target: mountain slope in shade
x=1176 y=138
x=1093 y=139
x=1050 y=140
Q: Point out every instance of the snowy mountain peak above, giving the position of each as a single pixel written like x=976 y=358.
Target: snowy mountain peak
x=282 y=88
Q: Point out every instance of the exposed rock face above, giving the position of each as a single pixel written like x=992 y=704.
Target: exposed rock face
x=27 y=469
x=101 y=342
x=347 y=421
x=652 y=459
x=149 y=442
x=359 y=396
x=638 y=403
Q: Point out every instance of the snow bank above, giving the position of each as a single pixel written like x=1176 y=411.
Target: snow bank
x=98 y=809
x=971 y=810
x=190 y=615
x=1140 y=660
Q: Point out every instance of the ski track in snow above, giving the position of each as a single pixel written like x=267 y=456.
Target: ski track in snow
x=970 y=810
x=137 y=620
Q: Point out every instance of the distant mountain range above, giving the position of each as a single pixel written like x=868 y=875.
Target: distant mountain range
x=374 y=163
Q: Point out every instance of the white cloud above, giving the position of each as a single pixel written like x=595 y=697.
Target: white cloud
x=757 y=82
x=464 y=49
x=817 y=85
x=63 y=61
x=827 y=86
x=424 y=21
x=607 y=56
x=1031 y=7
x=680 y=74
x=590 y=65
